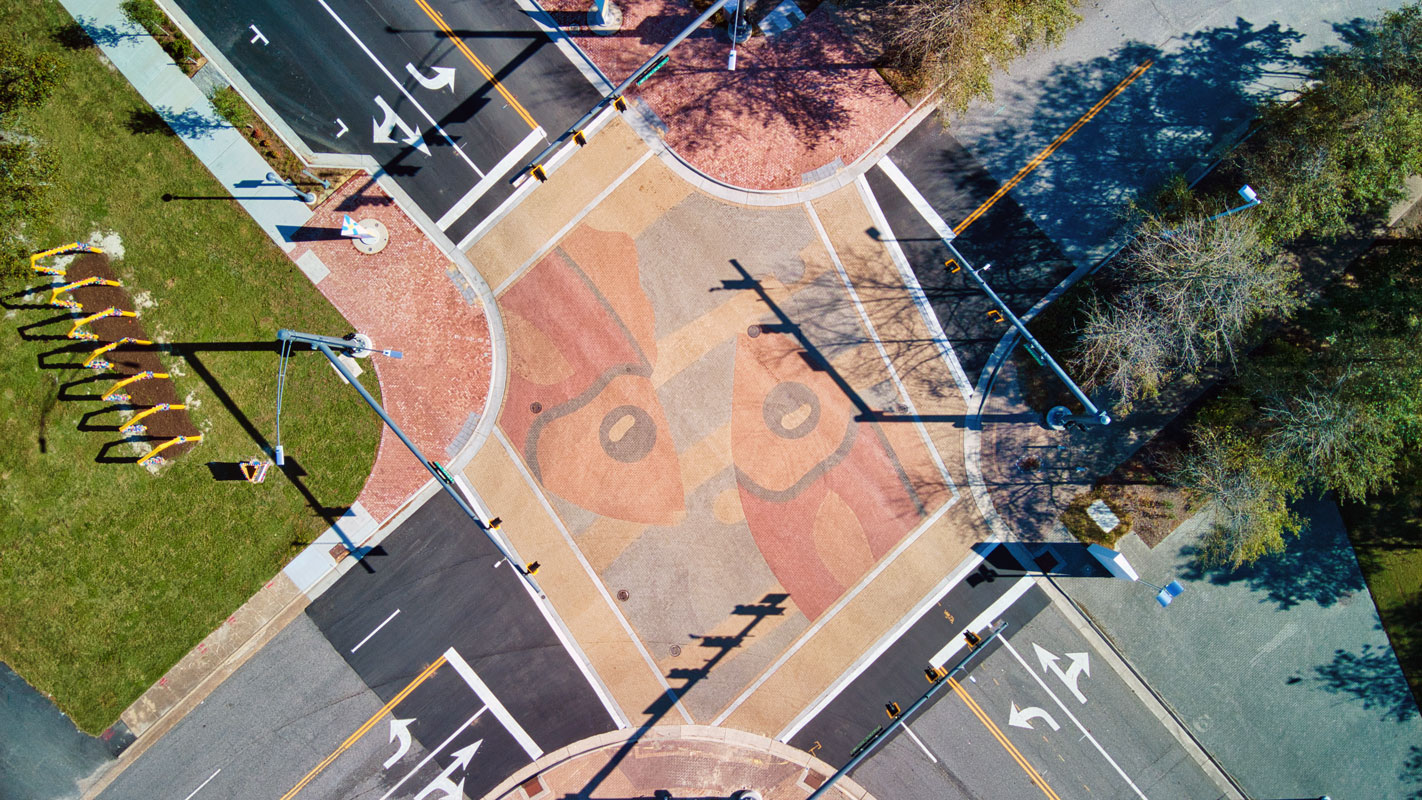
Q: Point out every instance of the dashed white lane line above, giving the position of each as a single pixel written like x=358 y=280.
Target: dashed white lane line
x=919 y=742
x=377 y=630
x=204 y=783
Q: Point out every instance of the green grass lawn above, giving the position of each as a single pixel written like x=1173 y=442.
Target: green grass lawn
x=108 y=573
x=1387 y=536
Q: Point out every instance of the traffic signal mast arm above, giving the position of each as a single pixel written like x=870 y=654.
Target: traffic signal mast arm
x=327 y=345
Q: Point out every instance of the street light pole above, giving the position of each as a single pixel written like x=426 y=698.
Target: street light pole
x=305 y=197
x=327 y=345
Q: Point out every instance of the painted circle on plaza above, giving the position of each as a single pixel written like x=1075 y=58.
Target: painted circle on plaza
x=627 y=433
x=791 y=410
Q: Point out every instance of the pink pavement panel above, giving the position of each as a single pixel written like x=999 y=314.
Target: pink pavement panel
x=796 y=102
x=407 y=297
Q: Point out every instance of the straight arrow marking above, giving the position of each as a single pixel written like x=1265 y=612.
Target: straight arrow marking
x=1080 y=665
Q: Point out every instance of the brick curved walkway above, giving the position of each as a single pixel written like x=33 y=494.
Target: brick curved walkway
x=409 y=297
x=802 y=100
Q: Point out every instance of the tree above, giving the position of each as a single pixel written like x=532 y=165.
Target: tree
x=1186 y=297
x=1248 y=497
x=953 y=47
x=26 y=79
x=1339 y=444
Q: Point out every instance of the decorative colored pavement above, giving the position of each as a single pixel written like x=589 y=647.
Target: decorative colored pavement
x=408 y=297
x=706 y=413
x=805 y=100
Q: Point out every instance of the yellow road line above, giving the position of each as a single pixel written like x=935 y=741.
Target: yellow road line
x=361 y=731
x=479 y=65
x=1002 y=739
x=1052 y=148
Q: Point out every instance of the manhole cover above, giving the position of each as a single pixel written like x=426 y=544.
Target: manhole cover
x=753 y=331
x=536 y=407
x=675 y=650
x=623 y=594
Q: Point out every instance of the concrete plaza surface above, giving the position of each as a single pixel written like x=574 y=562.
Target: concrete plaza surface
x=706 y=440
x=1282 y=670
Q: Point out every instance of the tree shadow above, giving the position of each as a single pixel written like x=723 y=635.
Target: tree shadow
x=95 y=33
x=188 y=123
x=771 y=605
x=1317 y=567
x=1412 y=772
x=72 y=36
x=1200 y=87
x=1373 y=678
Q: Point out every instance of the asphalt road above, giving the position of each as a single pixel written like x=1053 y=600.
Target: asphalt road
x=433 y=669
x=375 y=78
x=439 y=592
x=1037 y=713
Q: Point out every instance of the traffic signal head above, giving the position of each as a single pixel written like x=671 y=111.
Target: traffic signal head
x=893 y=710
x=972 y=639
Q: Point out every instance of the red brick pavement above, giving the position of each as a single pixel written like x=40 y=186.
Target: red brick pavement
x=405 y=298
x=796 y=102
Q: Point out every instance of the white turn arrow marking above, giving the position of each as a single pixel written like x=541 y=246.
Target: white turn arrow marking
x=399 y=729
x=1080 y=665
x=385 y=127
x=444 y=76
x=449 y=789
x=1022 y=717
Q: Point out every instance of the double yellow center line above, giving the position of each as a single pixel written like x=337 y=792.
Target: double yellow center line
x=361 y=731
x=1051 y=148
x=997 y=733
x=479 y=65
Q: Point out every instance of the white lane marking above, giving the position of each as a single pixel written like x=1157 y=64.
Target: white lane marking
x=381 y=130
x=435 y=751
x=572 y=223
x=554 y=621
x=920 y=298
x=983 y=620
x=1085 y=733
x=916 y=199
x=443 y=76
x=399 y=729
x=505 y=164
x=592 y=574
x=880 y=647
x=377 y=630
x=839 y=605
x=1022 y=717
x=919 y=742
x=204 y=783
x=257 y=36
x=878 y=345
x=398 y=85
x=495 y=705
x=444 y=782
x=1080 y=664
x=342 y=131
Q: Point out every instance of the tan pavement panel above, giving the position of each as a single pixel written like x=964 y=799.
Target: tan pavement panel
x=549 y=207
x=593 y=624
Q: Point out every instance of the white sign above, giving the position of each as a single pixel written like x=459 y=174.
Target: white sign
x=444 y=76
x=1080 y=665
x=385 y=127
x=1022 y=717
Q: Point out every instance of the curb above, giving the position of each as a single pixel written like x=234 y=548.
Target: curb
x=699 y=733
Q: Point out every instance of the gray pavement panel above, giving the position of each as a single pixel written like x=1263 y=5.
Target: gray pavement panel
x=323 y=84
x=43 y=756
x=898 y=674
x=1026 y=264
x=438 y=572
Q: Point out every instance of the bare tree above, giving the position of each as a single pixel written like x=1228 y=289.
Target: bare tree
x=1248 y=497
x=953 y=47
x=1187 y=296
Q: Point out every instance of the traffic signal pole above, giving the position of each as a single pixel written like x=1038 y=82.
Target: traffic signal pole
x=327 y=345
x=880 y=735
